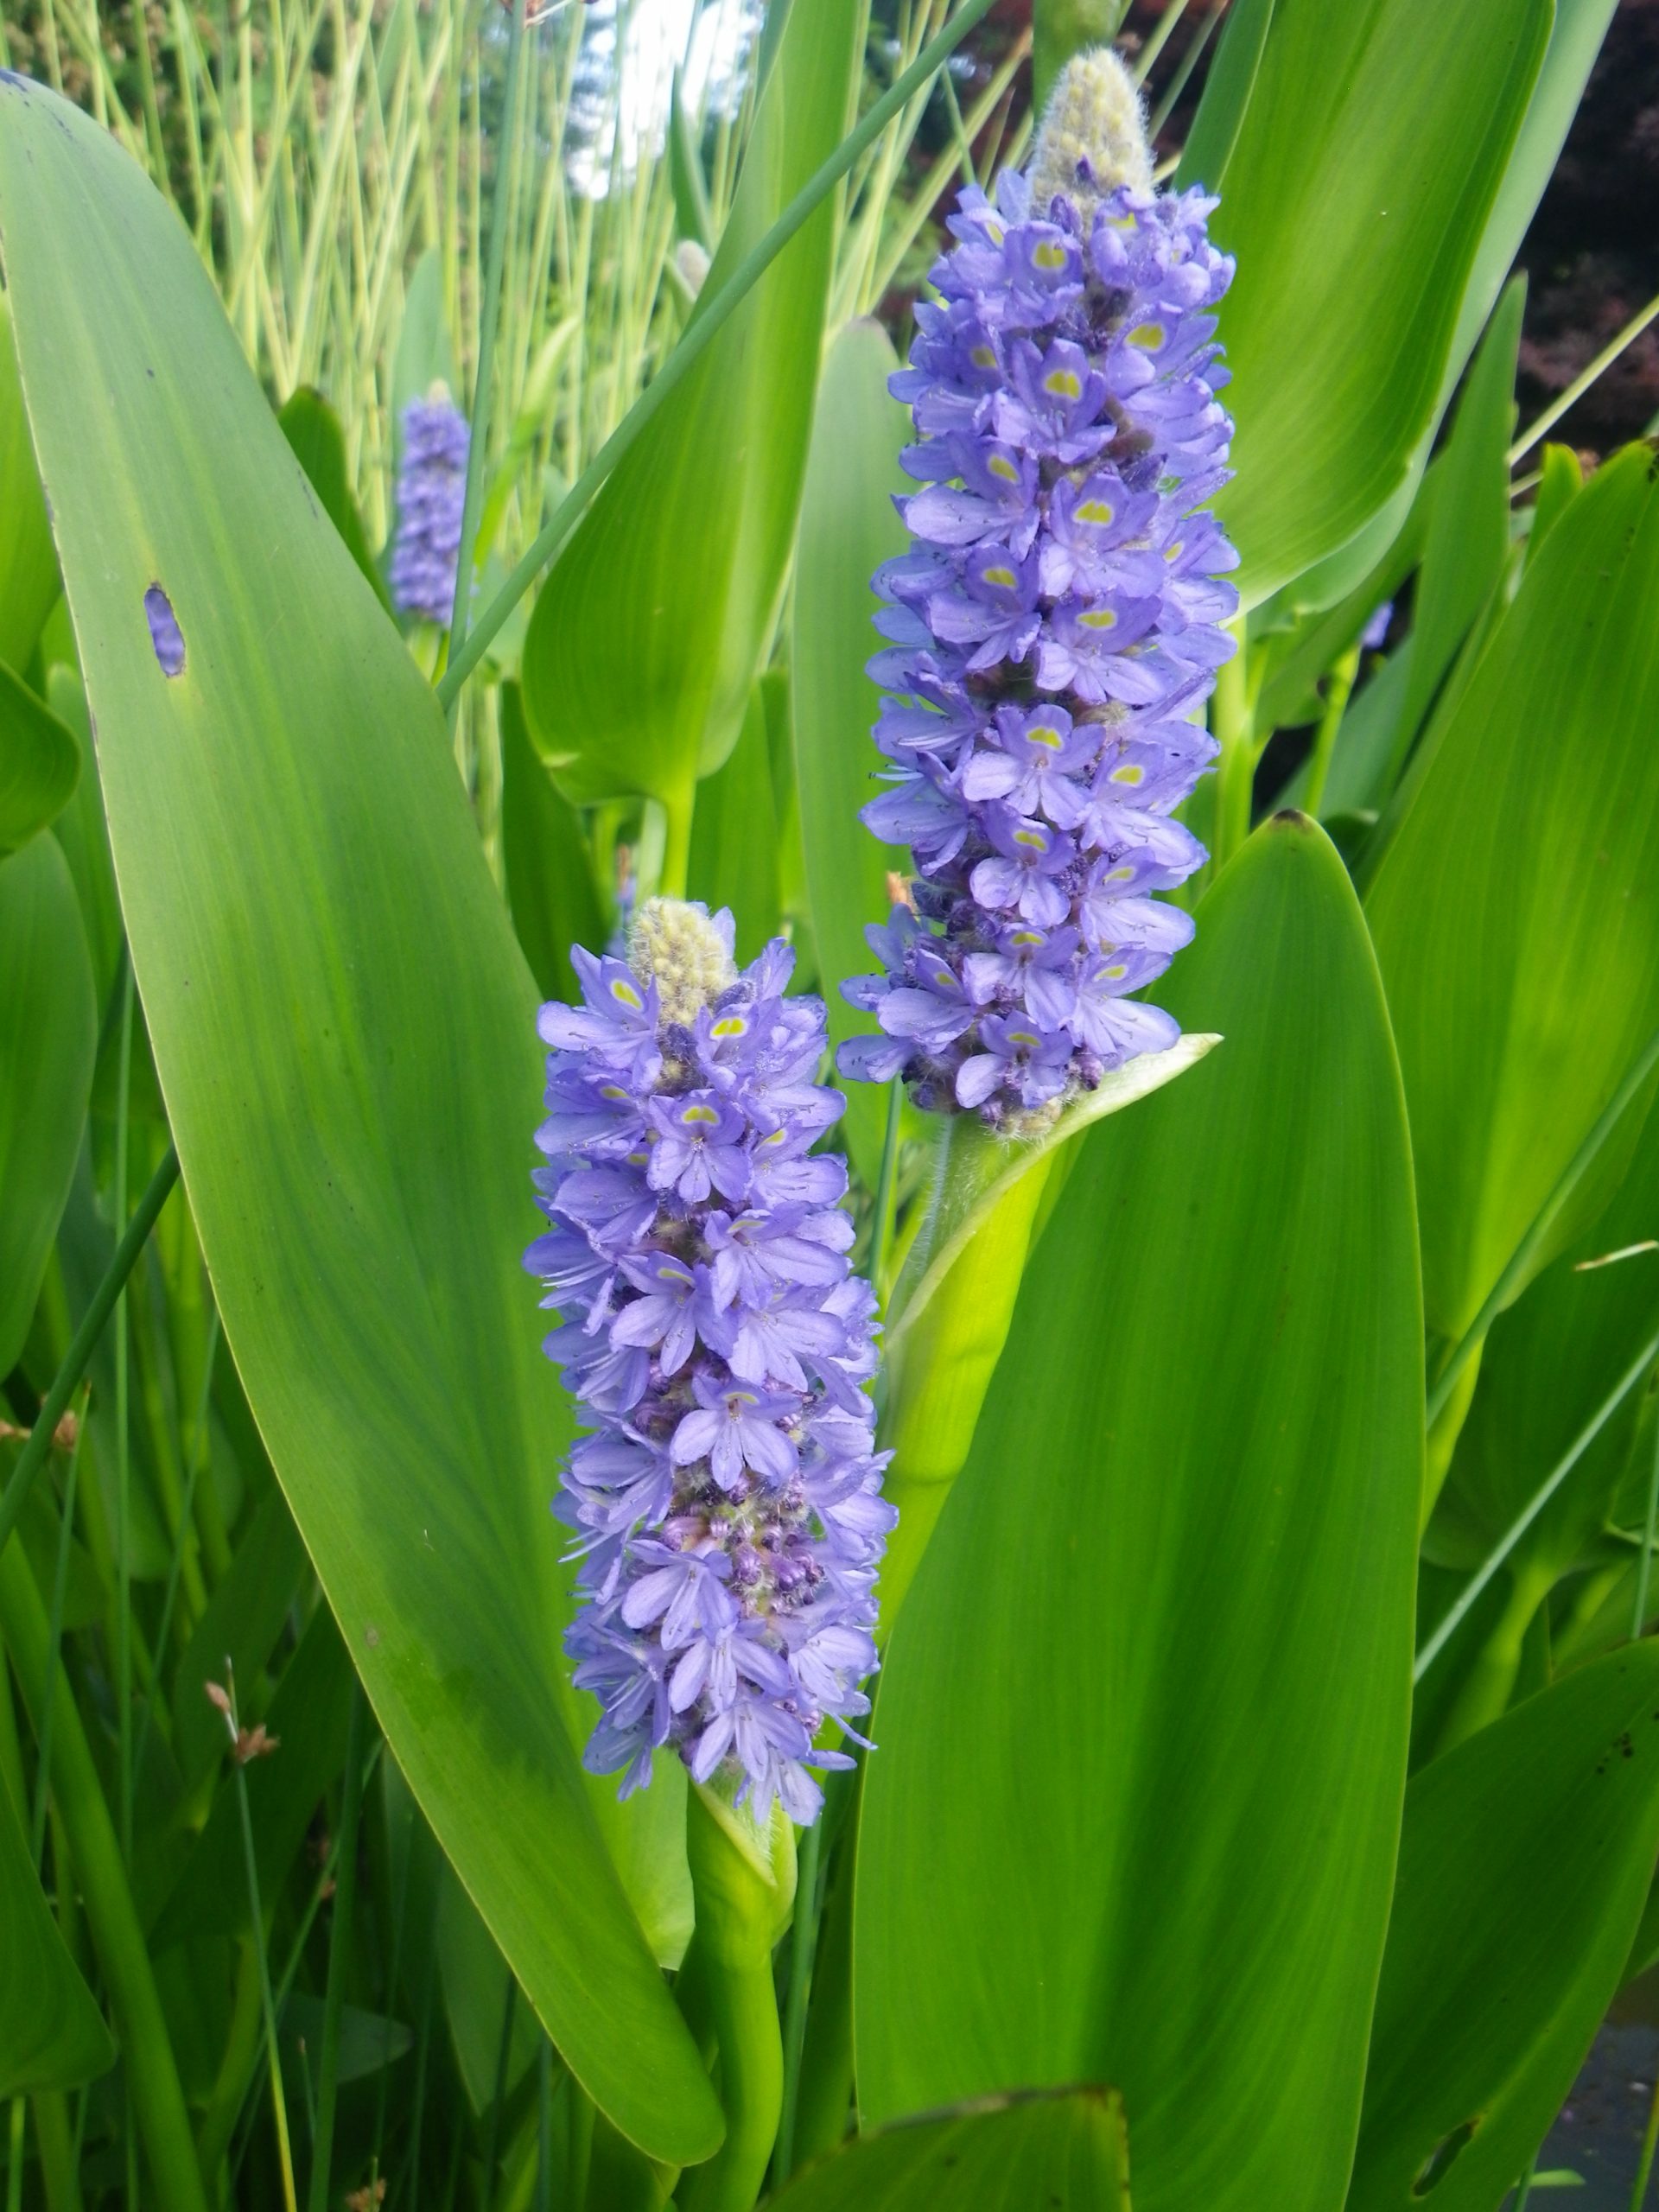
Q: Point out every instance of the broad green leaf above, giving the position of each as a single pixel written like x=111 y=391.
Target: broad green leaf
x=649 y=633
x=549 y=872
x=978 y=1168
x=312 y=429
x=1516 y=907
x=48 y=1037
x=52 y=2035
x=1356 y=196
x=1228 y=84
x=1524 y=1866
x=345 y=1033
x=1563 y=479
x=40 y=762
x=734 y=848
x=1001 y=2154
x=1060 y=28
x=1466 y=539
x=1143 y=1720
x=29 y=567
x=849 y=527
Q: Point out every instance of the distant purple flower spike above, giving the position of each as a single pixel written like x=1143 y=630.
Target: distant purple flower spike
x=1054 y=626
x=431 y=495
x=728 y=1502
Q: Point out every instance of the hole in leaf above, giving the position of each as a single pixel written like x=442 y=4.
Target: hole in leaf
x=164 y=631
x=1441 y=2159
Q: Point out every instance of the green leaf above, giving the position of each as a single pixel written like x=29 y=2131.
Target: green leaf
x=735 y=845
x=1001 y=2154
x=1143 y=1719
x=1228 y=85
x=1515 y=908
x=48 y=1039
x=81 y=831
x=425 y=354
x=52 y=2035
x=648 y=635
x=548 y=869
x=1466 y=541
x=1524 y=1866
x=368 y=2041
x=40 y=762
x=29 y=567
x=978 y=1168
x=685 y=176
x=849 y=527
x=1060 y=28
x=312 y=429
x=1562 y=480
x=475 y=1979
x=1356 y=195
x=345 y=1034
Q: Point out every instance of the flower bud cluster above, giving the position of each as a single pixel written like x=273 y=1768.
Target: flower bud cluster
x=431 y=498
x=727 y=1499
x=1054 y=628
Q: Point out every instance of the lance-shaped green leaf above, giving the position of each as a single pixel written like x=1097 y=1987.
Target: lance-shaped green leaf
x=345 y=1034
x=1516 y=907
x=312 y=429
x=736 y=852
x=49 y=1040
x=1356 y=196
x=1143 y=1719
x=548 y=869
x=1524 y=1866
x=849 y=527
x=1068 y=2150
x=648 y=635
x=52 y=2035
x=29 y=567
x=40 y=761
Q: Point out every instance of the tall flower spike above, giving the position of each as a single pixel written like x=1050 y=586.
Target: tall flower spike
x=1054 y=625
x=431 y=498
x=727 y=1498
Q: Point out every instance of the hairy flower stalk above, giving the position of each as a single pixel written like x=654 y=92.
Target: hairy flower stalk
x=431 y=495
x=1055 y=625
x=726 y=1500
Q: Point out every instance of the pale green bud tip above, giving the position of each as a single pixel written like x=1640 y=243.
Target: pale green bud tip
x=1092 y=137
x=683 y=947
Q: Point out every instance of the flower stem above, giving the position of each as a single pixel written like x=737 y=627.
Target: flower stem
x=273 y=2055
x=1233 y=724
x=1339 y=686
x=1644 y=1566
x=803 y=1950
x=339 y=1952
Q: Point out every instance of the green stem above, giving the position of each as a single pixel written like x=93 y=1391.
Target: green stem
x=714 y=311
x=1485 y=1694
x=339 y=1952
x=123 y=1448
x=803 y=1950
x=1540 y=1498
x=1233 y=723
x=881 y=1230
x=1522 y=1259
x=273 y=2055
x=141 y=2024
x=55 y=1642
x=15 y=2156
x=1524 y=2190
x=503 y=2056
x=198 y=1455
x=32 y=1457
x=678 y=813
x=743 y=1881
x=1338 y=686
x=1649 y=2141
x=483 y=382
x=544 y=2127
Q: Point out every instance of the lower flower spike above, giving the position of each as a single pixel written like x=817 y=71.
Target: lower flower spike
x=727 y=1498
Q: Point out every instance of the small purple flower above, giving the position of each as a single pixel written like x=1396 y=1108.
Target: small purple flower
x=727 y=1504
x=1054 y=627
x=431 y=498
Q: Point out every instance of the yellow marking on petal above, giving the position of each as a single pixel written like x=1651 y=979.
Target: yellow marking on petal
x=1148 y=336
x=1051 y=254
x=1023 y=1037
x=1034 y=838
x=705 y=1114
x=612 y=1091
x=1005 y=578
x=1130 y=772
x=625 y=993
x=1064 y=384
x=732 y=1026
x=983 y=357
x=1121 y=875
x=1000 y=465
x=995 y=232
x=1101 y=511
x=1114 y=975
x=670 y=1271
x=1044 y=733
x=1098 y=617
x=1028 y=937
x=1172 y=552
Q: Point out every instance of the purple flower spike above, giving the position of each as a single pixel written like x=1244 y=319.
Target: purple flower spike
x=431 y=495
x=1054 y=627
x=727 y=1499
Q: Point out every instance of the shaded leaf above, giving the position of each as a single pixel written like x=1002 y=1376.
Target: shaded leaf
x=52 y=2035
x=734 y=846
x=548 y=869
x=39 y=763
x=312 y=429
x=29 y=567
